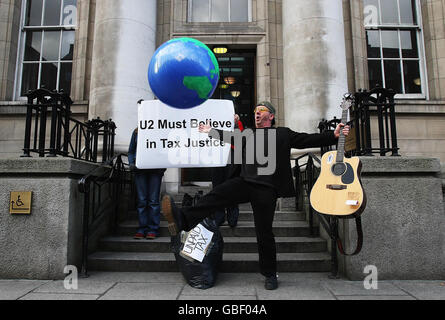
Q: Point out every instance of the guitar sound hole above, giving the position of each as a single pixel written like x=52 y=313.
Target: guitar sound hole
x=339 y=169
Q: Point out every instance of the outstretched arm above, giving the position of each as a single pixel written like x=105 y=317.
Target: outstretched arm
x=315 y=140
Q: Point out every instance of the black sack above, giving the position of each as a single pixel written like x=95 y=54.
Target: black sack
x=200 y=275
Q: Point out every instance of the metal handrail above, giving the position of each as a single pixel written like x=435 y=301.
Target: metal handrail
x=379 y=102
x=115 y=174
x=304 y=181
x=49 y=115
x=306 y=175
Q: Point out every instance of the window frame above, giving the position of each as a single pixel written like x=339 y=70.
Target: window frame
x=418 y=28
x=190 y=13
x=22 y=47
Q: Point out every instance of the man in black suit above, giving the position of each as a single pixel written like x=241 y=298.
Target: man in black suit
x=261 y=182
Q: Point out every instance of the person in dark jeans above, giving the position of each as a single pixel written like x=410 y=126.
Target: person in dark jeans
x=221 y=174
x=254 y=185
x=148 y=187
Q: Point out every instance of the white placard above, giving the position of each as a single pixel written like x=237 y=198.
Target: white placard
x=197 y=242
x=169 y=138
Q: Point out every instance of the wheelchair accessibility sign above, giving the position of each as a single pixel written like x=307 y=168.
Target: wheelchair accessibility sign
x=20 y=202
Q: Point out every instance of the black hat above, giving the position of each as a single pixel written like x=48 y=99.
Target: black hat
x=268 y=105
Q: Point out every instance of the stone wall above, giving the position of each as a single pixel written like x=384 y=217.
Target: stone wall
x=403 y=223
x=40 y=245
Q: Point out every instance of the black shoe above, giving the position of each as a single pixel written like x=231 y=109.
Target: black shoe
x=232 y=216
x=271 y=283
x=172 y=214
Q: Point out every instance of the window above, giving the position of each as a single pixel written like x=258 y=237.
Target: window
x=395 y=46
x=219 y=10
x=47 y=45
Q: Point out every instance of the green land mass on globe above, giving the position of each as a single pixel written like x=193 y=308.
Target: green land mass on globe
x=201 y=85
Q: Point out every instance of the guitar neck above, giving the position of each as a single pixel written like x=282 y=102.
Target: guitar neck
x=342 y=138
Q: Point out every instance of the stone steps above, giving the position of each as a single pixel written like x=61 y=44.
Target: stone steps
x=297 y=249
x=243 y=229
x=231 y=244
x=283 y=204
x=232 y=262
x=247 y=215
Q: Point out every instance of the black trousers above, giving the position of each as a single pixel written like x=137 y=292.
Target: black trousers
x=235 y=191
x=219 y=175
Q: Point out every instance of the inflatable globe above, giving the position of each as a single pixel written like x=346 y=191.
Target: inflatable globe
x=183 y=73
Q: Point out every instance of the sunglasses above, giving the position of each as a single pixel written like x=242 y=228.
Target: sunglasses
x=261 y=109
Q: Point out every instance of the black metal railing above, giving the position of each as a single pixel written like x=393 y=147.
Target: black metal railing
x=104 y=193
x=306 y=171
x=380 y=102
x=49 y=115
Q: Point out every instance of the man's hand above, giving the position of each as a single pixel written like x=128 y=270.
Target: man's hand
x=205 y=128
x=345 y=130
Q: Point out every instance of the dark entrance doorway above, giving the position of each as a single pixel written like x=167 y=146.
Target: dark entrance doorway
x=236 y=83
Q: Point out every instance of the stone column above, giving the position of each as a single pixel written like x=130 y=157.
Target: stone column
x=314 y=62
x=9 y=34
x=124 y=42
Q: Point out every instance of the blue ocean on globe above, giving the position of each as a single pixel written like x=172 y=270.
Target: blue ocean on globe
x=183 y=73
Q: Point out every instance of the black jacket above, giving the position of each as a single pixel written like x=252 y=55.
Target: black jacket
x=281 y=179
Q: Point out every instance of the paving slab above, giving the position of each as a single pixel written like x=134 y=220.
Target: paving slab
x=407 y=297
x=59 y=296
x=143 y=291
x=157 y=277
x=221 y=298
x=87 y=286
x=298 y=290
x=423 y=290
x=228 y=287
x=297 y=276
x=228 y=284
x=14 y=289
x=353 y=288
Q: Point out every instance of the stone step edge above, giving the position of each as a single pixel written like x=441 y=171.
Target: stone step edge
x=169 y=256
x=129 y=239
x=241 y=224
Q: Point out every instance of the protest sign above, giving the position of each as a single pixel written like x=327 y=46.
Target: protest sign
x=169 y=137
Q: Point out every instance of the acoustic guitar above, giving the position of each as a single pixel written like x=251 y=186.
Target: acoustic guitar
x=338 y=190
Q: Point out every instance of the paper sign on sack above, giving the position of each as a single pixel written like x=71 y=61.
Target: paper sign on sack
x=197 y=243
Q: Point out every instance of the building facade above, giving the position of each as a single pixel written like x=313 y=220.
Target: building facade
x=301 y=55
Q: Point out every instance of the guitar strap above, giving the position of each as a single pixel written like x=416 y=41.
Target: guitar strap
x=358 y=223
